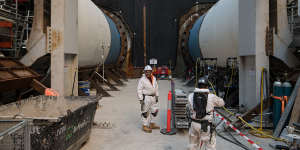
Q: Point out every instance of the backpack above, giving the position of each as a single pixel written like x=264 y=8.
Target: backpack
x=199 y=104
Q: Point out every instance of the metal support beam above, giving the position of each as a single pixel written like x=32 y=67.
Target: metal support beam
x=145 y=33
x=99 y=89
x=119 y=74
x=122 y=74
x=38 y=86
x=64 y=48
x=291 y=108
x=58 y=51
x=37 y=25
x=252 y=33
x=104 y=81
x=36 y=44
x=112 y=76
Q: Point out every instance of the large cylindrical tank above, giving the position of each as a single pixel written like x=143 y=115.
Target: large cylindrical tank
x=103 y=37
x=215 y=34
x=98 y=36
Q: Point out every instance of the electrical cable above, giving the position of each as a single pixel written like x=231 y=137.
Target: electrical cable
x=233 y=142
x=236 y=142
x=228 y=132
x=246 y=123
x=231 y=80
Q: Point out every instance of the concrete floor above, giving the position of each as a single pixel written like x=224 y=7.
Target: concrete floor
x=123 y=111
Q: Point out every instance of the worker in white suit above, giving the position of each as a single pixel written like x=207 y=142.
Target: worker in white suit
x=200 y=110
x=147 y=92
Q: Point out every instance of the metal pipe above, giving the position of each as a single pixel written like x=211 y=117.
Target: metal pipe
x=292 y=18
x=298 y=7
x=145 y=34
x=101 y=76
x=16 y=8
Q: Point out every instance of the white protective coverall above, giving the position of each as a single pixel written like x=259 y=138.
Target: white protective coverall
x=198 y=137
x=150 y=91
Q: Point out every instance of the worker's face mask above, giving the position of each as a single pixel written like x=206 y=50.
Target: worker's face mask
x=148 y=73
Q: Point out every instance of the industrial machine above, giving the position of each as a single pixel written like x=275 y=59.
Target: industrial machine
x=103 y=41
x=179 y=109
x=211 y=29
x=207 y=67
x=231 y=82
x=162 y=72
x=294 y=136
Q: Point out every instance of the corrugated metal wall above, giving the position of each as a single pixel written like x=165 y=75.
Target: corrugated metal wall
x=162 y=25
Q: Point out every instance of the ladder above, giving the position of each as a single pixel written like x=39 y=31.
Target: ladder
x=19 y=35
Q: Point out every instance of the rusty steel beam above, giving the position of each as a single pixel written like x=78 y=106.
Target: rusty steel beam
x=112 y=87
x=38 y=86
x=112 y=76
x=99 y=89
x=249 y=114
x=15 y=75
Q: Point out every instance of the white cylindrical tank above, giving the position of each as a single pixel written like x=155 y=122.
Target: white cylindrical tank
x=94 y=35
x=218 y=31
x=218 y=35
x=99 y=40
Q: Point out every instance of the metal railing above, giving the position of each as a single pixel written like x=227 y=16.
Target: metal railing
x=21 y=20
x=292 y=9
x=14 y=135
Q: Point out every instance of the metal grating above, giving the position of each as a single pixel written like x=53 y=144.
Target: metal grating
x=14 y=135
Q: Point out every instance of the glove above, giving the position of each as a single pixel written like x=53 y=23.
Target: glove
x=141 y=102
x=156 y=99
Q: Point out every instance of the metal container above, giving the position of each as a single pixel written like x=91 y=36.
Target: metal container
x=85 y=87
x=14 y=135
x=287 y=89
x=68 y=130
x=278 y=92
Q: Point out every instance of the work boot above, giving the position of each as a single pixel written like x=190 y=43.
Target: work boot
x=154 y=126
x=147 y=129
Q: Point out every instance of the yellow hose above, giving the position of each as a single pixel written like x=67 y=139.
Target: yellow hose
x=249 y=125
x=261 y=97
x=253 y=128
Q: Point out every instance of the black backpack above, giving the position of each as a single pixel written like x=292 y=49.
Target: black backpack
x=199 y=104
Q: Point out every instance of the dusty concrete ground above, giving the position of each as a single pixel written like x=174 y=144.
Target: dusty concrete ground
x=123 y=111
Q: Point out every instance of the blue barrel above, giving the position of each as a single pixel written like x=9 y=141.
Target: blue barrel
x=84 y=86
x=277 y=91
x=287 y=89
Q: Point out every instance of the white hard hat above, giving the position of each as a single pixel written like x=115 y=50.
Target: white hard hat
x=147 y=68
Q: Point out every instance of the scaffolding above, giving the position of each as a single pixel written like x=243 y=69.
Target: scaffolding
x=13 y=37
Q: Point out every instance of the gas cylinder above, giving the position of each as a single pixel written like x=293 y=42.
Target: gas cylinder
x=278 y=92
x=287 y=89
